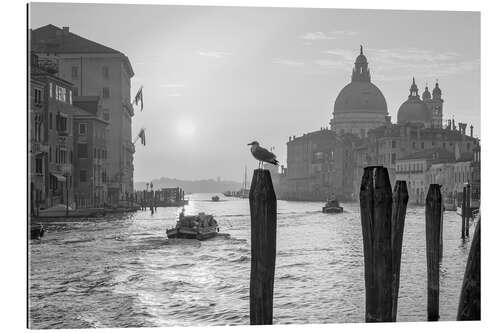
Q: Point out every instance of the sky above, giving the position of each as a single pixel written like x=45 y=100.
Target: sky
x=217 y=78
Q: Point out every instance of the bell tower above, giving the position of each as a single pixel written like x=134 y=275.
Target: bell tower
x=435 y=106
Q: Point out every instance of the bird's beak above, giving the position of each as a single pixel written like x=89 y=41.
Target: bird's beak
x=249 y=144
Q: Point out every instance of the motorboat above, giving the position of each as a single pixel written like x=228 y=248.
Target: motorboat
x=332 y=206
x=201 y=226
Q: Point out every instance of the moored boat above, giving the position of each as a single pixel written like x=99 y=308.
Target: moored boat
x=201 y=226
x=36 y=231
x=215 y=198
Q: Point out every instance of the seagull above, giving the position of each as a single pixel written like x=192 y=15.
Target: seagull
x=262 y=154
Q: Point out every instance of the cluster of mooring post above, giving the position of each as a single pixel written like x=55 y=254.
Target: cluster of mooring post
x=433 y=235
x=263 y=247
x=382 y=221
x=469 y=305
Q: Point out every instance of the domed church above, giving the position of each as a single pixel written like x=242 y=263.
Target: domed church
x=360 y=105
x=427 y=111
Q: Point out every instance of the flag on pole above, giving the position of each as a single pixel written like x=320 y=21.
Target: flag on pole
x=142 y=136
x=138 y=97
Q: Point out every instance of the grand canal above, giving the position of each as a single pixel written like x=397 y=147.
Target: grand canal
x=121 y=271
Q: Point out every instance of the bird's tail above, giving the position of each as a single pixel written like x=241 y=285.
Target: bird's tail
x=275 y=162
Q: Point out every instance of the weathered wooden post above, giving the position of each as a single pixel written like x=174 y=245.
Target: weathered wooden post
x=399 y=203
x=468 y=212
x=376 y=209
x=433 y=210
x=469 y=305
x=441 y=232
x=464 y=204
x=263 y=247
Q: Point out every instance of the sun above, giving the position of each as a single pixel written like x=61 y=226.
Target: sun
x=186 y=128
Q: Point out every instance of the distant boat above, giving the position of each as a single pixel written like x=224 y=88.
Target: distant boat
x=332 y=206
x=201 y=226
x=215 y=198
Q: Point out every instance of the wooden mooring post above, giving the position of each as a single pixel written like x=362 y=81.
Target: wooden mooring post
x=467 y=211
x=263 y=247
x=464 y=204
x=382 y=241
x=469 y=305
x=399 y=203
x=433 y=211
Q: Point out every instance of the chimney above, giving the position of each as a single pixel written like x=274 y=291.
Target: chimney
x=471 y=130
x=65 y=30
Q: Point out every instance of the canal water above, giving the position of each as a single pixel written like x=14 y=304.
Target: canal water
x=122 y=271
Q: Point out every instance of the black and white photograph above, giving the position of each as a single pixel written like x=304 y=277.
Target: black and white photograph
x=214 y=165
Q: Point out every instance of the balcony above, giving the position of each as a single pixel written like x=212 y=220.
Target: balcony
x=38 y=148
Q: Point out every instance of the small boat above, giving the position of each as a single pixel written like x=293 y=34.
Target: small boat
x=201 y=226
x=215 y=198
x=36 y=231
x=332 y=206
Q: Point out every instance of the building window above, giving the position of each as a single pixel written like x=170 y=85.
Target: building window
x=70 y=97
x=393 y=144
x=61 y=94
x=38 y=165
x=75 y=91
x=50 y=120
x=74 y=72
x=106 y=115
x=83 y=176
x=82 y=129
x=38 y=96
x=61 y=123
x=422 y=145
x=50 y=153
x=50 y=89
x=393 y=158
x=105 y=72
x=83 y=150
x=105 y=92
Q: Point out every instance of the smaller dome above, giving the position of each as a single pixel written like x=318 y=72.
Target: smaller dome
x=427 y=94
x=414 y=111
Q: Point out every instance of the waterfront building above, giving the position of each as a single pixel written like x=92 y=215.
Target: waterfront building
x=37 y=145
x=96 y=70
x=318 y=164
x=57 y=134
x=388 y=144
x=90 y=162
x=360 y=105
x=415 y=168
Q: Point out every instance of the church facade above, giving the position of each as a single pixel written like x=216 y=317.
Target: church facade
x=332 y=160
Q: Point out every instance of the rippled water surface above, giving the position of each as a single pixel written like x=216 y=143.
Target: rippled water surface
x=122 y=271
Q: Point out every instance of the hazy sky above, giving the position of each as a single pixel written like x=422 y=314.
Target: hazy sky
x=216 y=78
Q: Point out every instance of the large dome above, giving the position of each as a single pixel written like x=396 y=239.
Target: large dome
x=413 y=111
x=360 y=96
